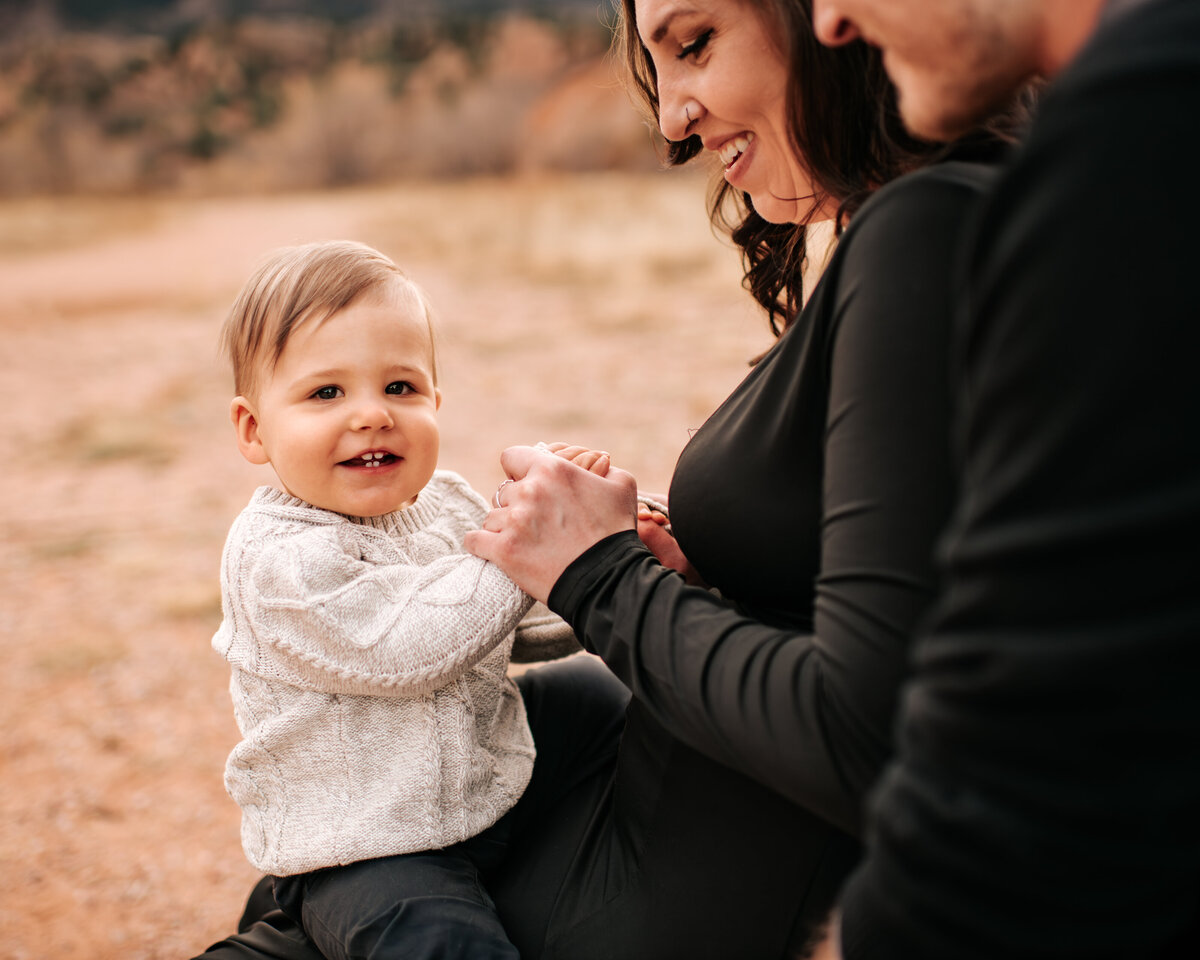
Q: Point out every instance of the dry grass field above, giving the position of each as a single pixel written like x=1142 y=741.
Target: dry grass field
x=597 y=309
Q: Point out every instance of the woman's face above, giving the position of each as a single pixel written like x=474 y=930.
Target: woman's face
x=722 y=77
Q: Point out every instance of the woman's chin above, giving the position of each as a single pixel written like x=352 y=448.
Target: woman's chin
x=774 y=210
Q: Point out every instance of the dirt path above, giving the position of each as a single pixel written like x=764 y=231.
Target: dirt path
x=595 y=309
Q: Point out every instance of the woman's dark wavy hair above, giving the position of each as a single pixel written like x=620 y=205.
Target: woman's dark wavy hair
x=846 y=127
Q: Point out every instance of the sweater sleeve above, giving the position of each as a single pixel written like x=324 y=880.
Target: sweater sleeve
x=1045 y=800
x=810 y=714
x=326 y=619
x=543 y=635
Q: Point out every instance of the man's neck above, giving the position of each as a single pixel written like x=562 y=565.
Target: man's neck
x=1066 y=26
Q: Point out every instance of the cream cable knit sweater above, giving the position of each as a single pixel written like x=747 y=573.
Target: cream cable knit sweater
x=369 y=682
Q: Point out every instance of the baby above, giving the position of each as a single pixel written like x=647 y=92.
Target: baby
x=369 y=651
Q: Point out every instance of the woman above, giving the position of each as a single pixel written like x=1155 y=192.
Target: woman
x=811 y=500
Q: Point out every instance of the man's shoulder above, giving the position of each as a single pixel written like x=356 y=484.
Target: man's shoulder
x=1115 y=132
x=1151 y=38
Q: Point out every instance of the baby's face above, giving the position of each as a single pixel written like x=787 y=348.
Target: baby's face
x=348 y=417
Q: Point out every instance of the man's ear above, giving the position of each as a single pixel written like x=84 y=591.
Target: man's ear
x=245 y=424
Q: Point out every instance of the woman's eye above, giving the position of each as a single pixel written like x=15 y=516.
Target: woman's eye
x=400 y=387
x=693 y=48
x=327 y=393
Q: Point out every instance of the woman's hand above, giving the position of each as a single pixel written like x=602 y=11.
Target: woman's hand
x=550 y=514
x=594 y=461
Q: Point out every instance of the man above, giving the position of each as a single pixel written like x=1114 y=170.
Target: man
x=1045 y=799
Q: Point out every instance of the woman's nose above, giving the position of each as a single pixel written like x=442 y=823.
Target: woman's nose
x=678 y=112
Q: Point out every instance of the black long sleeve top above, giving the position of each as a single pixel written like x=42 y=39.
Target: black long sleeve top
x=811 y=500
x=1045 y=801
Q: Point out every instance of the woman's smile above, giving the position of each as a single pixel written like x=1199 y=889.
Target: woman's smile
x=721 y=75
x=737 y=154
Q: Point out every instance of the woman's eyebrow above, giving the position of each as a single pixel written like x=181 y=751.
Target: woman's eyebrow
x=665 y=24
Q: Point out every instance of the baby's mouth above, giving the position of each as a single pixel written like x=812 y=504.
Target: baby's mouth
x=373 y=459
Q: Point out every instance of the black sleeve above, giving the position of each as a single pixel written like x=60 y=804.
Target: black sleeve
x=1045 y=801
x=811 y=714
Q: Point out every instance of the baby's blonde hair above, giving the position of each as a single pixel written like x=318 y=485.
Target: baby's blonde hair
x=295 y=285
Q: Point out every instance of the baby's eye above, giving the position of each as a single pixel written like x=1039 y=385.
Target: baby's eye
x=327 y=393
x=400 y=388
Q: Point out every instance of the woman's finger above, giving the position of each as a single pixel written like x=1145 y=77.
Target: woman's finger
x=481 y=542
x=516 y=461
x=493 y=522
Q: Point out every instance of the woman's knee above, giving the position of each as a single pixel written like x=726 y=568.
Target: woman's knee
x=581 y=686
x=576 y=710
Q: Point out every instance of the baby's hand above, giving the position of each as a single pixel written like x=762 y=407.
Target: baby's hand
x=652 y=528
x=646 y=513
x=595 y=461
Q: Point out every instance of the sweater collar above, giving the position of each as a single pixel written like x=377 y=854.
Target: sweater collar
x=410 y=519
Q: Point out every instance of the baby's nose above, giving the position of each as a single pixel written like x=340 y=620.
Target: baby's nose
x=371 y=415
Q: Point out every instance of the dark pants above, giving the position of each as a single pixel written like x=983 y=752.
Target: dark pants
x=428 y=904
x=654 y=854
x=576 y=710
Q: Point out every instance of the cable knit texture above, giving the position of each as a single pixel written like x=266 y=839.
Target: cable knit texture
x=369 y=680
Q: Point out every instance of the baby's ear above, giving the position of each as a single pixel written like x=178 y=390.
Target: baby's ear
x=245 y=424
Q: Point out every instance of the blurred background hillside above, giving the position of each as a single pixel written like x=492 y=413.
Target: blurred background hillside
x=208 y=96
x=150 y=153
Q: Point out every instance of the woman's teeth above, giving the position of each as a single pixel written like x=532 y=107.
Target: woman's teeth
x=734 y=148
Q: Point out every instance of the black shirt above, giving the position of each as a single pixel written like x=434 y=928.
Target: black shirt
x=1046 y=797
x=811 y=500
